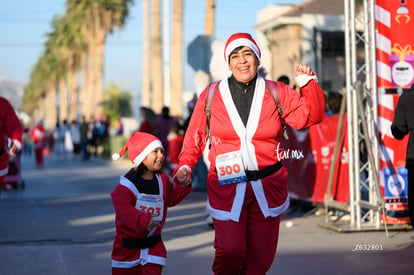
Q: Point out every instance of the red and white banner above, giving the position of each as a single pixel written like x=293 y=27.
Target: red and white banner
x=308 y=157
x=309 y=152
x=395 y=72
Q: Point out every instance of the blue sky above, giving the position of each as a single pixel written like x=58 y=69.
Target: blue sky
x=24 y=24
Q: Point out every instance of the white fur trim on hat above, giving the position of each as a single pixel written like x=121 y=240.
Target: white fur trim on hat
x=153 y=145
x=241 y=42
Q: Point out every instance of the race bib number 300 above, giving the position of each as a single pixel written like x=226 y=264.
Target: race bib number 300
x=230 y=168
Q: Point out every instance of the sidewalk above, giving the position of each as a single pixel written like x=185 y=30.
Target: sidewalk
x=63 y=223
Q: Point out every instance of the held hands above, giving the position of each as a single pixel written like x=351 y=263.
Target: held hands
x=13 y=150
x=302 y=69
x=184 y=176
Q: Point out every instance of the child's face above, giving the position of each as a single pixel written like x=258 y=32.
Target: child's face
x=154 y=160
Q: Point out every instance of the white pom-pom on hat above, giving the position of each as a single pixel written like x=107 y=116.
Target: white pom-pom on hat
x=115 y=156
x=139 y=145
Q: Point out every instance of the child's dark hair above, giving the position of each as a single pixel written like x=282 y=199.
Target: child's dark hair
x=141 y=168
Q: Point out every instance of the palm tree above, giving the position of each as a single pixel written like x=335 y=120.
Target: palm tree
x=209 y=26
x=42 y=86
x=156 y=46
x=58 y=64
x=210 y=17
x=177 y=58
x=52 y=70
x=98 y=18
x=69 y=41
x=146 y=64
x=76 y=42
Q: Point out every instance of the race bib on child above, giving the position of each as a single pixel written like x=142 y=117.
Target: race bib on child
x=230 y=168
x=152 y=204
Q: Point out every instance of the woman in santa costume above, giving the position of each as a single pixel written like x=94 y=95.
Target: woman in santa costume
x=141 y=200
x=11 y=131
x=246 y=184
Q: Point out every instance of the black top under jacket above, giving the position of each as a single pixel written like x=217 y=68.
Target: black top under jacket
x=403 y=123
x=144 y=186
x=242 y=95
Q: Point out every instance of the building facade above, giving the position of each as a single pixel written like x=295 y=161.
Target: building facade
x=310 y=33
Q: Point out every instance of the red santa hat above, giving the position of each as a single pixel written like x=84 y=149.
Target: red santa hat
x=139 y=145
x=240 y=39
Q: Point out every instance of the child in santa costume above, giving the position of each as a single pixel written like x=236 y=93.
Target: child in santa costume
x=246 y=184
x=141 y=200
x=11 y=131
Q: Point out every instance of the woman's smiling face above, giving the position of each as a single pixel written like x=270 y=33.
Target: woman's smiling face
x=243 y=64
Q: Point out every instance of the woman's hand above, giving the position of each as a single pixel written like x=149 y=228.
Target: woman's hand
x=302 y=69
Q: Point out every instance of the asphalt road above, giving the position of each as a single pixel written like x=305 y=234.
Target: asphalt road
x=63 y=223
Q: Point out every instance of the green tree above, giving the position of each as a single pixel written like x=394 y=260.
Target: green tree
x=117 y=102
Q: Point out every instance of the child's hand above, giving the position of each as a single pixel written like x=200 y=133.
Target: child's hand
x=152 y=224
x=186 y=183
x=13 y=150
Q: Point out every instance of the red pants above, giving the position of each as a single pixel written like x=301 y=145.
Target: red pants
x=39 y=156
x=248 y=246
x=1 y=182
x=148 y=269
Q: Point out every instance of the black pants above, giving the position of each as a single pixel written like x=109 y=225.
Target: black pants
x=411 y=193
